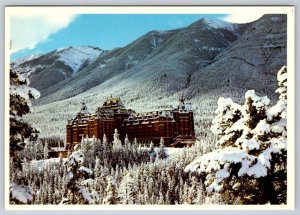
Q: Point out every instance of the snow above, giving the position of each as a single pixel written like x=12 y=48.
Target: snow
x=211 y=49
x=170 y=151
x=64 y=201
x=276 y=110
x=25 y=92
x=262 y=127
x=213 y=160
x=19 y=61
x=161 y=32
x=236 y=186
x=86 y=195
x=282 y=75
x=280 y=127
x=76 y=56
x=70 y=176
x=250 y=144
x=102 y=65
x=225 y=112
x=257 y=170
x=21 y=193
x=255 y=166
x=87 y=182
x=85 y=170
x=76 y=157
x=218 y=24
x=58 y=149
x=42 y=164
x=258 y=102
x=156 y=40
x=221 y=174
x=214 y=187
x=239 y=143
x=282 y=82
x=238 y=125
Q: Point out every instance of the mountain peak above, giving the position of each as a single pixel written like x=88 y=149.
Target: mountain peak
x=75 y=57
x=21 y=60
x=215 y=24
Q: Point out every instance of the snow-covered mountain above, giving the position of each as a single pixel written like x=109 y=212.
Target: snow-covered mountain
x=76 y=57
x=205 y=60
x=47 y=70
x=22 y=60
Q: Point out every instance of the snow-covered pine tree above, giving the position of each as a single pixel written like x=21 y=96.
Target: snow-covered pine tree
x=88 y=150
x=112 y=194
x=20 y=132
x=97 y=147
x=162 y=151
x=39 y=150
x=152 y=152
x=106 y=148
x=128 y=189
x=20 y=103
x=126 y=141
x=46 y=150
x=104 y=140
x=161 y=200
x=249 y=166
x=117 y=142
x=78 y=181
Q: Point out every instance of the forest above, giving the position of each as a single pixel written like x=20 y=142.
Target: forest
x=242 y=161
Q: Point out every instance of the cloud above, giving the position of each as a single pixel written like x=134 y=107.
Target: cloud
x=242 y=17
x=27 y=30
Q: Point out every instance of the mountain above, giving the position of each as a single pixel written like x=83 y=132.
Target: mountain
x=47 y=70
x=205 y=60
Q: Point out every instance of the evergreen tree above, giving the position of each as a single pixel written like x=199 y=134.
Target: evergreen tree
x=78 y=181
x=128 y=189
x=152 y=152
x=161 y=200
x=250 y=163
x=20 y=132
x=126 y=141
x=46 y=150
x=104 y=140
x=20 y=104
x=162 y=152
x=97 y=147
x=39 y=150
x=117 y=144
x=112 y=194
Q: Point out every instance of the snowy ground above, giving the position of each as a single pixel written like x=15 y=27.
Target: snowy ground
x=42 y=164
x=173 y=151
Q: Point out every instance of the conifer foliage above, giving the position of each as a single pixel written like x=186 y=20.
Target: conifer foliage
x=20 y=133
x=250 y=162
x=79 y=180
x=20 y=96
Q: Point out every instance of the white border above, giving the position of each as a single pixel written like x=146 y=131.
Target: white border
x=289 y=10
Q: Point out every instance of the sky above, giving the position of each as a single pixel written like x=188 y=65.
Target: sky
x=41 y=33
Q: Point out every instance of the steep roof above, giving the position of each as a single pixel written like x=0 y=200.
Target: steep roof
x=113 y=103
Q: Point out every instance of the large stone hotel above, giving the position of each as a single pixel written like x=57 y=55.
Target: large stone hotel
x=175 y=126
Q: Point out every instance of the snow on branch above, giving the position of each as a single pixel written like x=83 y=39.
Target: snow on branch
x=252 y=140
x=21 y=193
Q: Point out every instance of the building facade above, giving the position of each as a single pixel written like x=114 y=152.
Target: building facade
x=175 y=126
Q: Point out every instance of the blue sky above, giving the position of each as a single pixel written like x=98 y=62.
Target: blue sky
x=38 y=35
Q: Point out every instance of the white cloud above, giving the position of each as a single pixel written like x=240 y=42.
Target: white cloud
x=242 y=17
x=27 y=30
